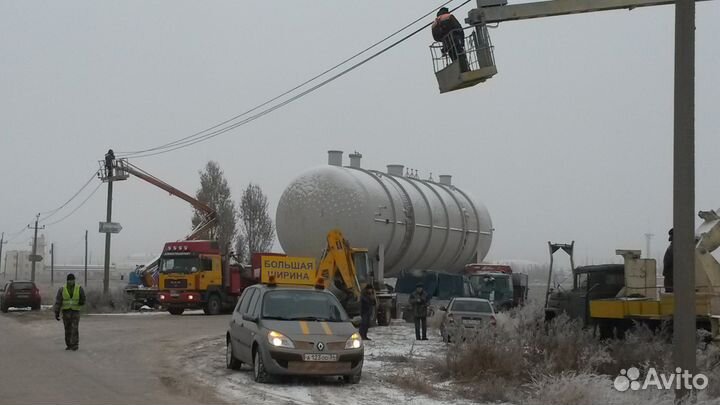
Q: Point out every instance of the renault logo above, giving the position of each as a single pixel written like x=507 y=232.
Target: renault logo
x=320 y=346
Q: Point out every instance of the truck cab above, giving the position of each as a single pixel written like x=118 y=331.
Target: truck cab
x=589 y=283
x=194 y=275
x=498 y=284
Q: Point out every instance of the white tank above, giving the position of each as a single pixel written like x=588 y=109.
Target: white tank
x=421 y=225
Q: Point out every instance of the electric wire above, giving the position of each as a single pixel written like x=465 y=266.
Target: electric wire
x=12 y=236
x=190 y=140
x=78 y=207
x=48 y=214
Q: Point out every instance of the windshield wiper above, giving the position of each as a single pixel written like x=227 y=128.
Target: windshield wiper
x=310 y=318
x=277 y=318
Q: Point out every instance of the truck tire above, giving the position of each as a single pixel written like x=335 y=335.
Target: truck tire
x=213 y=306
x=231 y=362
x=176 y=311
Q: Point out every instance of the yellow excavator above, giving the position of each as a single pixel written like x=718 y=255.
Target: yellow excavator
x=346 y=271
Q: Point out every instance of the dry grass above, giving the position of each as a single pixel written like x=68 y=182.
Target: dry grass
x=524 y=359
x=412 y=381
x=96 y=302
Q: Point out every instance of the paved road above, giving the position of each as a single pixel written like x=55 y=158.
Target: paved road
x=122 y=359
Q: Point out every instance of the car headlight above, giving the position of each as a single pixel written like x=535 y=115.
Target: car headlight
x=277 y=339
x=354 y=341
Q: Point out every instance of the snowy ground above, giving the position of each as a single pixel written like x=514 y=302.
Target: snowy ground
x=393 y=351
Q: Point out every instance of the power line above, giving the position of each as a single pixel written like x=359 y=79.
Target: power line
x=78 y=207
x=199 y=137
x=56 y=210
x=16 y=234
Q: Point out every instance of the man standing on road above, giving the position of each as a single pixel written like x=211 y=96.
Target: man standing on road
x=419 y=303
x=367 y=302
x=70 y=299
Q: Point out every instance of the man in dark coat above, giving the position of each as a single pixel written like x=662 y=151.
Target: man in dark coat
x=668 y=265
x=367 y=303
x=419 y=302
x=447 y=29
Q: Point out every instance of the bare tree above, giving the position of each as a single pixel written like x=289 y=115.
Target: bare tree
x=215 y=192
x=257 y=232
x=241 y=247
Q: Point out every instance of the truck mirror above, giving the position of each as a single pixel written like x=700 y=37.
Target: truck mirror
x=356 y=321
x=443 y=308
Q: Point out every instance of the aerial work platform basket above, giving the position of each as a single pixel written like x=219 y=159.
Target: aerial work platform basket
x=463 y=64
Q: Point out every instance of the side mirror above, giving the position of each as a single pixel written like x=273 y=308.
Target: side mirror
x=443 y=308
x=356 y=321
x=249 y=318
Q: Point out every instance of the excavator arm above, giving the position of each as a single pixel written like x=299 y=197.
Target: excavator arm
x=338 y=261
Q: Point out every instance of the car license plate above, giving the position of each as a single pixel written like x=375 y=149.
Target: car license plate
x=471 y=322
x=174 y=294
x=320 y=357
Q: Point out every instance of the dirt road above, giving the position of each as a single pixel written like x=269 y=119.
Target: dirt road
x=157 y=358
x=122 y=359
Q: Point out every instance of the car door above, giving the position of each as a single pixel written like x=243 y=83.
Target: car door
x=254 y=310
x=235 y=324
x=245 y=328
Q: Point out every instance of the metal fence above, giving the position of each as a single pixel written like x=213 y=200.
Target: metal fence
x=477 y=51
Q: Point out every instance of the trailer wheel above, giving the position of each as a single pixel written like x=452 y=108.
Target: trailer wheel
x=213 y=305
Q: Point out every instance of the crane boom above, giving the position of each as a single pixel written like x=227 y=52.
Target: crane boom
x=499 y=11
x=209 y=217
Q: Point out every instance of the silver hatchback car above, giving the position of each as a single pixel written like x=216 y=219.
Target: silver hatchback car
x=286 y=330
x=465 y=315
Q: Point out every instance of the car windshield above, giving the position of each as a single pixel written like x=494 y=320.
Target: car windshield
x=22 y=286
x=302 y=305
x=185 y=264
x=471 y=306
x=498 y=284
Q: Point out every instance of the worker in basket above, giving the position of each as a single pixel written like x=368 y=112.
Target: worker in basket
x=447 y=29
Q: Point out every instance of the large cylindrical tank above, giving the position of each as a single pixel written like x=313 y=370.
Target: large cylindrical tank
x=421 y=224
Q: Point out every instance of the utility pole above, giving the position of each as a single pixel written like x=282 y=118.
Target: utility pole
x=34 y=257
x=648 y=238
x=2 y=242
x=86 y=257
x=684 y=323
x=52 y=263
x=17 y=259
x=109 y=172
x=106 y=275
x=5 y=267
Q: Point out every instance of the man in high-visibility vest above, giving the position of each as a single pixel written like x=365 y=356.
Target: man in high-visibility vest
x=70 y=299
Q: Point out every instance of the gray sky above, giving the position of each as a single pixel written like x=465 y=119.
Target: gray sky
x=571 y=140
